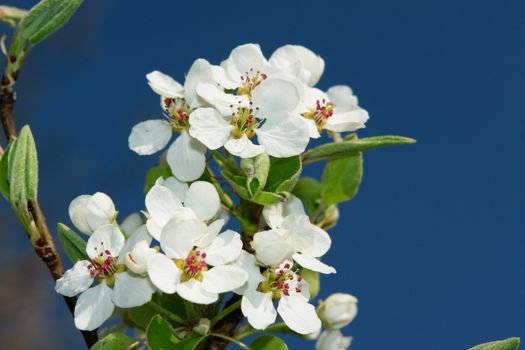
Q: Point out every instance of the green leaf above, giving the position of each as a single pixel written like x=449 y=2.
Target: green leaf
x=153 y=174
x=507 y=344
x=312 y=278
x=4 y=166
x=238 y=183
x=283 y=175
x=43 y=19
x=23 y=172
x=268 y=342
x=189 y=343
x=113 y=341
x=73 y=244
x=141 y=316
x=256 y=171
x=160 y=335
x=308 y=190
x=341 y=179
x=348 y=147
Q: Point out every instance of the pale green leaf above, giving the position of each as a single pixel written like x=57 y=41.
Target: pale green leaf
x=507 y=344
x=268 y=342
x=256 y=171
x=4 y=182
x=141 y=316
x=113 y=341
x=190 y=343
x=43 y=19
x=348 y=147
x=341 y=179
x=308 y=190
x=73 y=244
x=283 y=175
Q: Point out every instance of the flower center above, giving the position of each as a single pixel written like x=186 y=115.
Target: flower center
x=245 y=122
x=281 y=281
x=104 y=266
x=250 y=81
x=322 y=111
x=192 y=266
x=177 y=112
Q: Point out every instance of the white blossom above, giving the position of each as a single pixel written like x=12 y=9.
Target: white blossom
x=170 y=198
x=333 y=340
x=107 y=250
x=300 y=62
x=292 y=294
x=89 y=212
x=291 y=236
x=338 y=310
x=197 y=261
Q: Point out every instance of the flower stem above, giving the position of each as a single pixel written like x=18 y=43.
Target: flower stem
x=225 y=312
x=230 y=339
x=170 y=315
x=277 y=328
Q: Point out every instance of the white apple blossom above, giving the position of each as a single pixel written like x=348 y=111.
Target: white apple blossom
x=291 y=236
x=170 y=198
x=333 y=340
x=185 y=155
x=89 y=212
x=299 y=62
x=338 y=310
x=291 y=291
x=337 y=110
x=107 y=251
x=197 y=261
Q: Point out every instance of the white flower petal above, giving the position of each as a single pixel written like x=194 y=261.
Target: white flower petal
x=222 y=279
x=163 y=273
x=347 y=121
x=224 y=249
x=287 y=57
x=298 y=314
x=284 y=136
x=273 y=215
x=342 y=97
x=162 y=205
x=258 y=309
x=203 y=199
x=132 y=290
x=209 y=127
x=308 y=238
x=149 y=136
x=211 y=233
x=137 y=258
x=225 y=103
x=247 y=262
x=247 y=58
x=193 y=291
x=89 y=212
x=274 y=96
x=164 y=85
x=221 y=78
x=186 y=157
x=132 y=223
x=293 y=206
x=94 y=307
x=76 y=280
x=243 y=147
x=180 y=188
x=139 y=235
x=313 y=264
x=180 y=236
x=272 y=247
x=106 y=237
x=200 y=72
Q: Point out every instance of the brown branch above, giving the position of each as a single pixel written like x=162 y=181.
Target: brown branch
x=226 y=326
x=44 y=246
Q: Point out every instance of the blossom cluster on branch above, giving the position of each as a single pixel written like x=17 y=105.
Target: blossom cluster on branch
x=255 y=118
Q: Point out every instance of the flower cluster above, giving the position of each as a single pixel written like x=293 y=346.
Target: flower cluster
x=246 y=107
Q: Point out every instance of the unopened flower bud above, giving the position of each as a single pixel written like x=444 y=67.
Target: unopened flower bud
x=203 y=327
x=137 y=258
x=333 y=340
x=89 y=212
x=338 y=310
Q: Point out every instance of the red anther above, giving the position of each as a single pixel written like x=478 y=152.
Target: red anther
x=290 y=277
x=298 y=290
x=198 y=253
x=107 y=252
x=299 y=278
x=203 y=255
x=287 y=266
x=100 y=254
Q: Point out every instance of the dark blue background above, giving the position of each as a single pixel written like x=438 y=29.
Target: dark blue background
x=433 y=244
